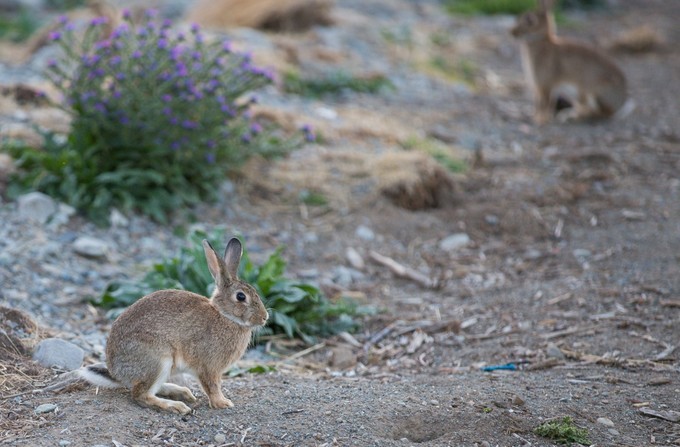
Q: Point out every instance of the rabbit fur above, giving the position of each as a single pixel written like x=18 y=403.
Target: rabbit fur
x=170 y=332
x=560 y=68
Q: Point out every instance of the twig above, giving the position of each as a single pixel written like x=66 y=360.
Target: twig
x=293 y=411
x=303 y=353
x=56 y=387
x=245 y=433
x=403 y=271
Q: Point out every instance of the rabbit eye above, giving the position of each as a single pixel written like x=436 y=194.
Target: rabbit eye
x=240 y=296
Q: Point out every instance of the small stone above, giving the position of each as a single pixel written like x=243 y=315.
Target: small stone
x=454 y=242
x=118 y=219
x=613 y=432
x=36 y=207
x=553 y=351
x=220 y=438
x=45 y=408
x=605 y=421
x=342 y=276
x=517 y=401
x=365 y=233
x=354 y=258
x=342 y=357
x=64 y=442
x=581 y=253
x=434 y=402
x=60 y=353
x=90 y=247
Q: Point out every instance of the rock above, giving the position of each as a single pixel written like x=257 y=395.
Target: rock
x=118 y=219
x=342 y=276
x=45 y=408
x=605 y=421
x=517 y=401
x=554 y=352
x=220 y=438
x=454 y=242
x=90 y=247
x=365 y=233
x=354 y=258
x=60 y=353
x=581 y=253
x=64 y=443
x=36 y=207
x=62 y=216
x=342 y=357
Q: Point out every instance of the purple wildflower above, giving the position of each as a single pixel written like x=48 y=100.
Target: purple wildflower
x=98 y=21
x=162 y=44
x=116 y=94
x=166 y=98
x=188 y=124
x=115 y=60
x=246 y=138
x=70 y=26
x=308 y=131
x=195 y=28
x=175 y=146
x=181 y=69
x=167 y=23
x=210 y=158
x=120 y=30
x=63 y=20
x=167 y=111
x=99 y=107
x=106 y=43
x=54 y=36
x=126 y=14
x=227 y=46
x=120 y=76
x=181 y=37
x=124 y=120
x=151 y=13
x=255 y=128
x=136 y=54
x=51 y=63
x=211 y=144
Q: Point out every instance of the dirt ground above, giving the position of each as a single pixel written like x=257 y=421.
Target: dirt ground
x=572 y=272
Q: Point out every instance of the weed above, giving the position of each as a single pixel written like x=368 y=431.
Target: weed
x=297 y=309
x=18 y=27
x=438 y=150
x=157 y=120
x=460 y=70
x=334 y=84
x=313 y=198
x=563 y=431
x=490 y=7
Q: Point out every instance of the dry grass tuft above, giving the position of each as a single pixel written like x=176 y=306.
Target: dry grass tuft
x=641 y=39
x=414 y=180
x=272 y=15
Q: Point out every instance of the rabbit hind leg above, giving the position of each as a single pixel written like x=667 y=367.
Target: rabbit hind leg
x=176 y=392
x=144 y=390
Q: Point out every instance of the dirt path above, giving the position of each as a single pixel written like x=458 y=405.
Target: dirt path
x=573 y=274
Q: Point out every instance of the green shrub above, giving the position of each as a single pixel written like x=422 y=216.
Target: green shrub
x=563 y=431
x=19 y=26
x=158 y=119
x=297 y=309
x=334 y=84
x=490 y=7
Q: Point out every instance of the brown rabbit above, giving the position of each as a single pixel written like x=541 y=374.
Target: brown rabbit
x=175 y=331
x=554 y=67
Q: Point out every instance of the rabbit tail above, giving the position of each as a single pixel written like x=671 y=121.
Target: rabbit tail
x=99 y=375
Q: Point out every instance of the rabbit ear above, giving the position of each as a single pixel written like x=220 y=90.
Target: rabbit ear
x=546 y=5
x=232 y=257
x=213 y=261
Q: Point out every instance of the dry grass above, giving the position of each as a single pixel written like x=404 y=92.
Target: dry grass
x=641 y=39
x=414 y=180
x=274 y=15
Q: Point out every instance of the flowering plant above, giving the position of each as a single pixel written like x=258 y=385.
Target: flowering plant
x=159 y=117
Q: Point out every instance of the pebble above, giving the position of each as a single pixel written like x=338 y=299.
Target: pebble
x=354 y=258
x=605 y=421
x=60 y=353
x=454 y=242
x=64 y=443
x=90 y=247
x=220 y=438
x=36 y=207
x=45 y=408
x=365 y=233
x=553 y=351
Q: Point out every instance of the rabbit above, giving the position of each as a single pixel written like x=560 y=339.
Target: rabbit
x=175 y=331
x=557 y=68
